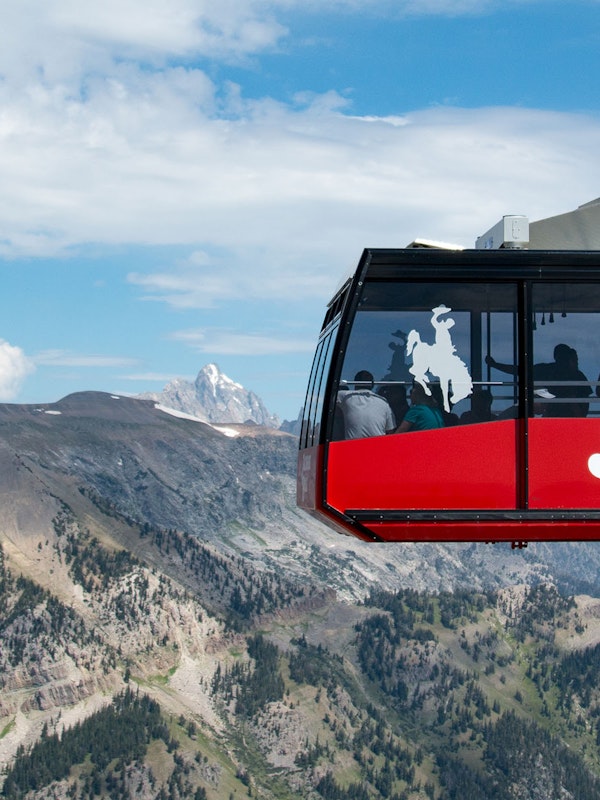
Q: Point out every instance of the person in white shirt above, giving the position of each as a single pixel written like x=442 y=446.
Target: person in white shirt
x=365 y=413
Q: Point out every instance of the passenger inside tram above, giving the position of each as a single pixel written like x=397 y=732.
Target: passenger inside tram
x=581 y=389
x=423 y=414
x=449 y=417
x=481 y=408
x=365 y=413
x=554 y=398
x=395 y=394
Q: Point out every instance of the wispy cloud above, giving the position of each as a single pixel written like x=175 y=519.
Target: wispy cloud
x=63 y=358
x=189 y=286
x=154 y=377
x=227 y=342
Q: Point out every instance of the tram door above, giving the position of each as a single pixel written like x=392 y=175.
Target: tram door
x=563 y=468
x=440 y=334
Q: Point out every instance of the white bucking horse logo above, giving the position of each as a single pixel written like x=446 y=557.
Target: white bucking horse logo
x=440 y=360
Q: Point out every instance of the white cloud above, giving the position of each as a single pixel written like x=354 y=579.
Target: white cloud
x=14 y=368
x=293 y=196
x=62 y=40
x=145 y=158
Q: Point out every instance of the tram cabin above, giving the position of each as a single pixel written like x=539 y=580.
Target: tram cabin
x=454 y=396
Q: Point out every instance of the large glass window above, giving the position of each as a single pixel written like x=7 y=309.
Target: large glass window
x=447 y=337
x=566 y=353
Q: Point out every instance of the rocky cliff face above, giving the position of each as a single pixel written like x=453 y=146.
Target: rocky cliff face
x=213 y=397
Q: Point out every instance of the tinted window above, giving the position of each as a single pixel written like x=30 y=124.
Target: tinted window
x=566 y=357
x=313 y=407
x=444 y=335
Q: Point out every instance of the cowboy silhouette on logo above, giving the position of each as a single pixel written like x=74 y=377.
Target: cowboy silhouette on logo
x=440 y=360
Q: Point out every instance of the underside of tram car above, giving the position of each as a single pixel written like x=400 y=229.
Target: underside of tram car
x=455 y=394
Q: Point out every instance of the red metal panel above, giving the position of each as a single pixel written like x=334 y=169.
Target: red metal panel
x=464 y=467
x=470 y=467
x=564 y=454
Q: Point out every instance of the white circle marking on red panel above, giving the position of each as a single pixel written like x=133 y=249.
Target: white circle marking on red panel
x=594 y=464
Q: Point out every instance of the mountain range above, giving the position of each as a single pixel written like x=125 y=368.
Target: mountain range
x=143 y=547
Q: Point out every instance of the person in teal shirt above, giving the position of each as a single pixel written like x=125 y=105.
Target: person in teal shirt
x=423 y=414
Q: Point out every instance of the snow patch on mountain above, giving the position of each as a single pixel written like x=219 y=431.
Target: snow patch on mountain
x=173 y=412
x=231 y=432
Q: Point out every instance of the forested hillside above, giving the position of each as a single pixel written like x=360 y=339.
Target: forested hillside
x=408 y=695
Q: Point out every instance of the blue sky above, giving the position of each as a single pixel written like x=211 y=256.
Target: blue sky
x=186 y=182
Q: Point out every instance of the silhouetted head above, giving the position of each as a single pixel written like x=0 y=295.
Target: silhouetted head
x=563 y=353
x=418 y=396
x=364 y=376
x=481 y=401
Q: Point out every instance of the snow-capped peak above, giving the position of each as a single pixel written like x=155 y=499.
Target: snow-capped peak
x=215 y=398
x=213 y=375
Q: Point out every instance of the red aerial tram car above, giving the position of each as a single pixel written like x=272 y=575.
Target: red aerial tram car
x=507 y=339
